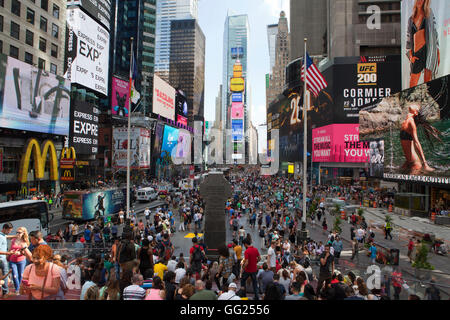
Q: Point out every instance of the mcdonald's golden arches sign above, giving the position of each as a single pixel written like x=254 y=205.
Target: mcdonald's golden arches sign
x=39 y=153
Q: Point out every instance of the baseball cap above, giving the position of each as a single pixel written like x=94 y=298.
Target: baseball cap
x=232 y=285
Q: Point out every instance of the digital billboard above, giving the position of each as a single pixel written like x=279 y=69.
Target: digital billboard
x=415 y=127
x=237 y=111
x=87 y=51
x=181 y=108
x=236 y=97
x=183 y=145
x=425 y=41
x=140 y=143
x=354 y=82
x=99 y=9
x=170 y=140
x=84 y=127
x=158 y=140
x=339 y=143
x=163 y=99
x=120 y=97
x=237 y=130
x=237 y=52
x=376 y=162
x=32 y=99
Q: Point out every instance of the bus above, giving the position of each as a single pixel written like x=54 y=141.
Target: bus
x=92 y=204
x=31 y=214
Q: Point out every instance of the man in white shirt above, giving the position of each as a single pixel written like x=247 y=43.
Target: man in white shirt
x=360 y=234
x=172 y=264
x=230 y=294
x=180 y=272
x=271 y=257
x=147 y=213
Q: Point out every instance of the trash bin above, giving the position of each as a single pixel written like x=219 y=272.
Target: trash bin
x=395 y=256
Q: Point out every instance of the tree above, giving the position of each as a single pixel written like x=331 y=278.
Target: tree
x=337 y=224
x=337 y=209
x=421 y=261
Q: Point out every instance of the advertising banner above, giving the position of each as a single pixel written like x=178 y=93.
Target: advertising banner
x=120 y=96
x=237 y=130
x=236 y=97
x=182 y=120
x=158 y=140
x=183 y=145
x=163 y=99
x=181 y=105
x=376 y=163
x=87 y=51
x=425 y=42
x=237 y=84
x=84 y=128
x=140 y=144
x=354 y=82
x=32 y=99
x=170 y=140
x=339 y=143
x=237 y=111
x=99 y=9
x=415 y=127
x=237 y=52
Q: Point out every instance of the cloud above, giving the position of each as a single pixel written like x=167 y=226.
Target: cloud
x=274 y=7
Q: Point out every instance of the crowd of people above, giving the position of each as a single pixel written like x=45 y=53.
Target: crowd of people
x=141 y=264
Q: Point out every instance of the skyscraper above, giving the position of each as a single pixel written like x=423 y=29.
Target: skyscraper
x=166 y=11
x=272 y=31
x=137 y=19
x=278 y=77
x=187 y=64
x=235 y=44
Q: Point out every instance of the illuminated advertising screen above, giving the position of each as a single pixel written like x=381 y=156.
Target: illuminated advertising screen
x=32 y=99
x=140 y=143
x=415 y=127
x=237 y=130
x=376 y=162
x=354 y=82
x=163 y=99
x=99 y=9
x=158 y=140
x=87 y=51
x=170 y=140
x=184 y=144
x=237 y=52
x=339 y=143
x=119 y=97
x=181 y=108
x=237 y=111
x=425 y=42
x=84 y=127
x=236 y=97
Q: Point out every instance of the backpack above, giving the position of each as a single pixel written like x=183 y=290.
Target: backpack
x=197 y=255
x=126 y=252
x=235 y=223
x=166 y=250
x=261 y=233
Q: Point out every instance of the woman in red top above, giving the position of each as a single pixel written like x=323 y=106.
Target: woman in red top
x=17 y=260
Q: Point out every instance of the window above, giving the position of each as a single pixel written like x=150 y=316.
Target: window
x=29 y=38
x=43 y=24
x=56 y=11
x=54 y=50
x=42 y=44
x=41 y=63
x=15 y=30
x=28 y=58
x=30 y=16
x=44 y=4
x=14 y=52
x=55 y=31
x=53 y=68
x=1 y=23
x=2 y=3
x=1 y=46
x=15 y=7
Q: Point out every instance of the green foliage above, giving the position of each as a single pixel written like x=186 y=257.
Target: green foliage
x=312 y=208
x=388 y=218
x=360 y=212
x=421 y=261
x=337 y=209
x=337 y=224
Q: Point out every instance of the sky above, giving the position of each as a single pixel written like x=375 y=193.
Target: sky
x=212 y=14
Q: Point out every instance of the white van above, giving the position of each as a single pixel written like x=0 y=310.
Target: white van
x=146 y=194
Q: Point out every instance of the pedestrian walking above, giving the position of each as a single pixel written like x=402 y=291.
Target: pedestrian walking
x=388 y=229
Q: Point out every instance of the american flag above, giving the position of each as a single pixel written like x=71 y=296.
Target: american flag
x=316 y=82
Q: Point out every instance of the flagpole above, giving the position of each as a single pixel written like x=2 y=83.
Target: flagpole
x=305 y=141
x=128 y=132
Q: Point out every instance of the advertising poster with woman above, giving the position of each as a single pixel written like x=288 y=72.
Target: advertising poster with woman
x=415 y=127
x=425 y=41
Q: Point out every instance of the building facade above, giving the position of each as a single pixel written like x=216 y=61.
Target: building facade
x=137 y=19
x=34 y=32
x=187 y=64
x=277 y=78
x=166 y=11
x=272 y=31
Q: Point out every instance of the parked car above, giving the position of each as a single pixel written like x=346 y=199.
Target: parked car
x=146 y=194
